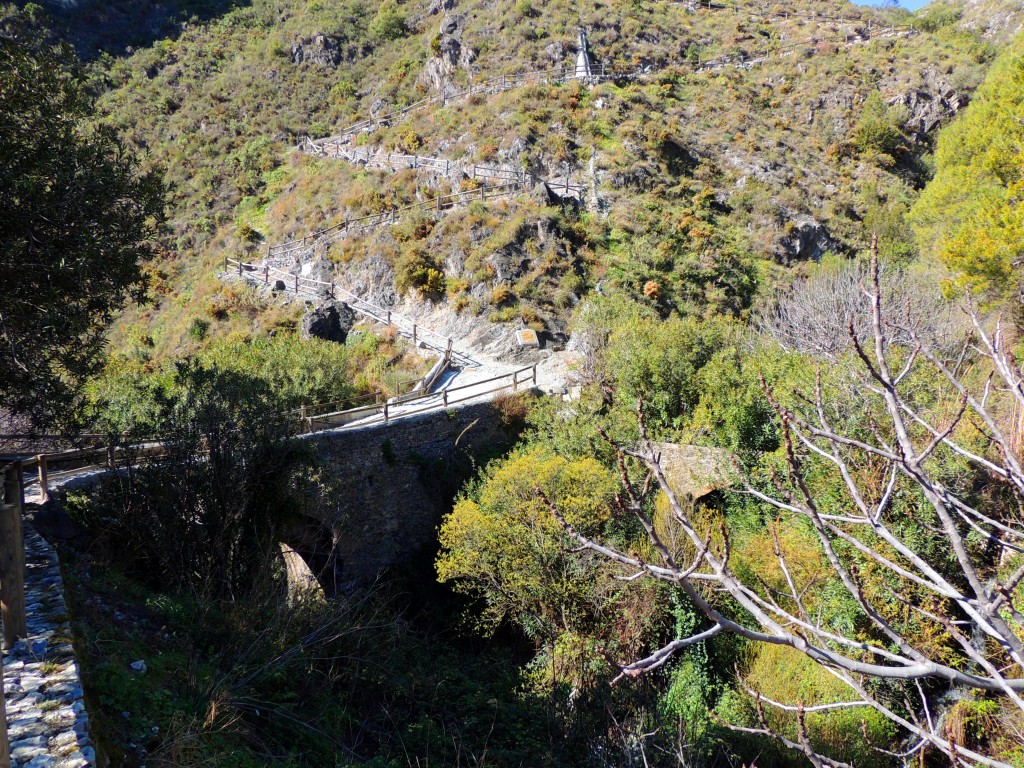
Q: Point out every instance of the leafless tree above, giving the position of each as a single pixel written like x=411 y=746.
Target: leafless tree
x=815 y=314
x=978 y=619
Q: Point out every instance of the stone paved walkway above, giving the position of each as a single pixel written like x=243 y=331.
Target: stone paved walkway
x=48 y=726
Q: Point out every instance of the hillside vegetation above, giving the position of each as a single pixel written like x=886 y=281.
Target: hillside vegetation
x=783 y=207
x=695 y=175
x=969 y=217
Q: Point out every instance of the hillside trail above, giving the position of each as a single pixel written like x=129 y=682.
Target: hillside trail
x=504 y=181
x=478 y=351
x=471 y=361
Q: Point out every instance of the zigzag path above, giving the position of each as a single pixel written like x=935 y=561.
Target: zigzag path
x=496 y=181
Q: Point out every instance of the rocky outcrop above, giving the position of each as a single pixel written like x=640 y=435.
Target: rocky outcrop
x=997 y=20
x=449 y=55
x=440 y=6
x=805 y=239
x=326 y=51
x=331 y=321
x=926 y=109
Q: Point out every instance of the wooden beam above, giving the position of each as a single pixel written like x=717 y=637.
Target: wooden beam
x=44 y=486
x=12 y=558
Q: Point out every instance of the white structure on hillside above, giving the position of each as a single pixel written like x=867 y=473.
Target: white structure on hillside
x=584 y=67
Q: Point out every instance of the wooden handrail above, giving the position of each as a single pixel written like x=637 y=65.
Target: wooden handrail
x=386 y=415
x=155 y=448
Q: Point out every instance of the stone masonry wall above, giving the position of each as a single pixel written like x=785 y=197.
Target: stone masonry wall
x=394 y=482
x=48 y=726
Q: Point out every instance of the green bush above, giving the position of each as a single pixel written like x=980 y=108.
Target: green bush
x=389 y=23
x=199 y=329
x=416 y=270
x=205 y=517
x=880 y=128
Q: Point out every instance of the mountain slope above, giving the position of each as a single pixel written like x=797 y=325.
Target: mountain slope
x=813 y=122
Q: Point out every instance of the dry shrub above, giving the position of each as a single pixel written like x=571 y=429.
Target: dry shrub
x=512 y=408
x=500 y=295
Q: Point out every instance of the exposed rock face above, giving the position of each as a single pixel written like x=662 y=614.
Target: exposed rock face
x=331 y=322
x=450 y=54
x=806 y=239
x=996 y=20
x=927 y=109
x=694 y=471
x=438 y=6
x=326 y=51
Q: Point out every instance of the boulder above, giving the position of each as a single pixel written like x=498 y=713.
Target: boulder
x=331 y=321
x=805 y=239
x=327 y=50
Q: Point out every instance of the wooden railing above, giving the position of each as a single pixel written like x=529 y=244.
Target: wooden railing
x=375 y=221
x=387 y=412
x=62 y=464
x=513 y=182
x=397 y=162
x=557 y=75
x=552 y=76
x=12 y=554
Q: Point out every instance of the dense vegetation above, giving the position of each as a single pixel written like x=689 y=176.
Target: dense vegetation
x=969 y=217
x=699 y=174
x=77 y=221
x=712 y=275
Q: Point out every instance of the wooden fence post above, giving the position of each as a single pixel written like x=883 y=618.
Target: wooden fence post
x=385 y=411
x=266 y=274
x=414 y=334
x=239 y=268
x=444 y=396
x=44 y=486
x=12 y=558
x=535 y=374
x=296 y=284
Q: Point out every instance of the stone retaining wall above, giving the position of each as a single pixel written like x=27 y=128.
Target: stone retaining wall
x=392 y=485
x=48 y=726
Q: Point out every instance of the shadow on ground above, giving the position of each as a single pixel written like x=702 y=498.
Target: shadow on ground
x=117 y=27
